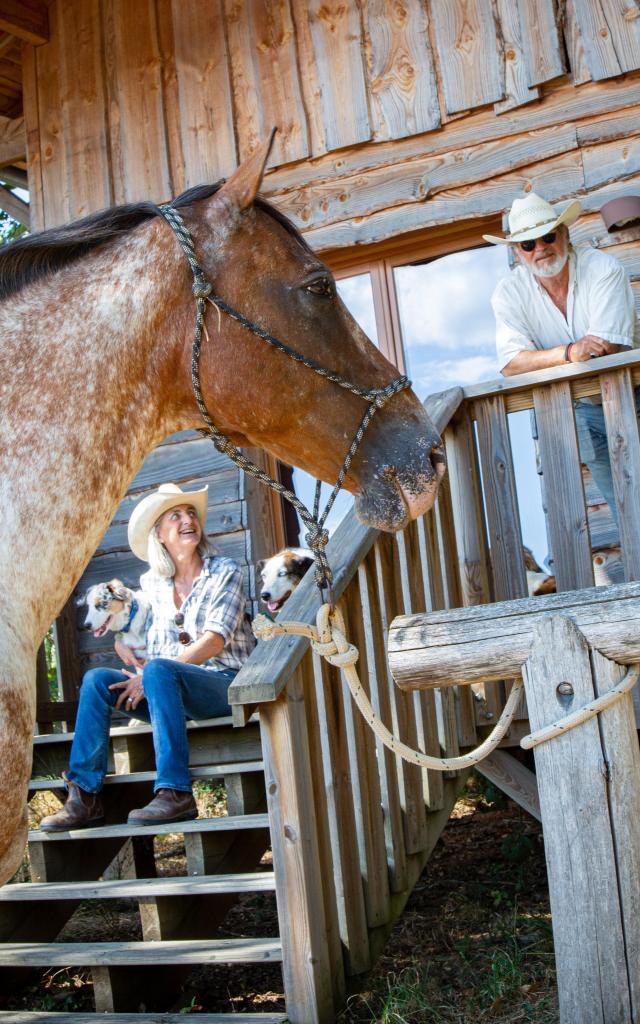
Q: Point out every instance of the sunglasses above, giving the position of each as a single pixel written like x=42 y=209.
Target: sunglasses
x=530 y=244
x=183 y=636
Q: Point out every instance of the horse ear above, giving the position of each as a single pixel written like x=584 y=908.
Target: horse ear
x=242 y=187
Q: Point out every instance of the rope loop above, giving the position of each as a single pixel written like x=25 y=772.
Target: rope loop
x=316 y=537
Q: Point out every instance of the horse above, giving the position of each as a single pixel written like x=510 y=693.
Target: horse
x=96 y=320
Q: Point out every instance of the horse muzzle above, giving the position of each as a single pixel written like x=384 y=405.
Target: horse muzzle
x=403 y=488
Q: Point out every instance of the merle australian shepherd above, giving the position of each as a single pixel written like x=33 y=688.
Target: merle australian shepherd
x=281 y=574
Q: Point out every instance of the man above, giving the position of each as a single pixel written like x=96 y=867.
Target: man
x=562 y=305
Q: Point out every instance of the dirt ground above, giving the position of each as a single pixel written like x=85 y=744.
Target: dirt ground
x=474 y=944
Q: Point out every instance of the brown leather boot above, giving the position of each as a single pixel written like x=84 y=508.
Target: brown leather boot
x=167 y=805
x=81 y=810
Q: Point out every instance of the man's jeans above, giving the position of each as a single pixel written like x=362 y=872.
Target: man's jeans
x=174 y=693
x=594 y=449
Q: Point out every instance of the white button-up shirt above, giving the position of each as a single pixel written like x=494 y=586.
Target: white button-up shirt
x=599 y=301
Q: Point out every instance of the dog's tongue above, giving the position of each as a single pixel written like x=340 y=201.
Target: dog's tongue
x=272 y=606
x=100 y=631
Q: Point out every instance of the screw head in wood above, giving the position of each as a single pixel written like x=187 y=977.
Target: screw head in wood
x=565 y=689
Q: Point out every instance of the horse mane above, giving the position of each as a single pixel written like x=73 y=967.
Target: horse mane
x=35 y=256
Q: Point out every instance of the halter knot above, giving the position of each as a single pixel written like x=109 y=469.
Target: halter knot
x=201 y=288
x=317 y=538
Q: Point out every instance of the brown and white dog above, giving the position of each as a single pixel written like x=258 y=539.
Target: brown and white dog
x=281 y=575
x=112 y=607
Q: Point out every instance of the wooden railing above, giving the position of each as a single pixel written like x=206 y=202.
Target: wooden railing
x=352 y=825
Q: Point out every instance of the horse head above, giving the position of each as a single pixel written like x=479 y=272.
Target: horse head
x=260 y=264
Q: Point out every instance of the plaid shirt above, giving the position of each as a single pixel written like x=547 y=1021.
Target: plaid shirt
x=216 y=603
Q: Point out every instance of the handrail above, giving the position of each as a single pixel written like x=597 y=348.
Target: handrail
x=587 y=373
x=270 y=666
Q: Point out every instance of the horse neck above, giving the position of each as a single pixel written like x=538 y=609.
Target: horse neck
x=99 y=378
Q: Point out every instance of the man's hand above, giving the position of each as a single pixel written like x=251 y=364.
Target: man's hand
x=132 y=691
x=127 y=655
x=590 y=346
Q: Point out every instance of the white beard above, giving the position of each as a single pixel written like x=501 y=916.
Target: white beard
x=551 y=267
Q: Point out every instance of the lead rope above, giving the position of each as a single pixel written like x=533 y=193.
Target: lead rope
x=328 y=636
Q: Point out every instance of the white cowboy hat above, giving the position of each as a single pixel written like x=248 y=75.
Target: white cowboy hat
x=146 y=514
x=531 y=217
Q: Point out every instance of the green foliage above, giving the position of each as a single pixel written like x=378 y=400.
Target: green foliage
x=9 y=228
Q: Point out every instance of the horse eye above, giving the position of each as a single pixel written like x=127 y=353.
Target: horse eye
x=321 y=286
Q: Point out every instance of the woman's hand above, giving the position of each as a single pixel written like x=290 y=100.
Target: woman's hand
x=127 y=655
x=132 y=691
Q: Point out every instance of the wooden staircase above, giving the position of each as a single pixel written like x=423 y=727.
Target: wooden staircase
x=179 y=915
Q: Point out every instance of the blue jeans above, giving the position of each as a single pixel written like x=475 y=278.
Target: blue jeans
x=174 y=692
x=594 y=448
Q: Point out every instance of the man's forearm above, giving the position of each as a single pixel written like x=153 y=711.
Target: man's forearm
x=540 y=359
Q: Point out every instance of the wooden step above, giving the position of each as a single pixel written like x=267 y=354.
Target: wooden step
x=46 y=739
x=216 y=771
x=127 y=954
x=229 y=823
x=132 y=888
x=42 y=1017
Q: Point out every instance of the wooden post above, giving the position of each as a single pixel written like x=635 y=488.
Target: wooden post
x=589 y=791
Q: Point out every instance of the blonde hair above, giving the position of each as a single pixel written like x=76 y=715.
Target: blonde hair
x=160 y=561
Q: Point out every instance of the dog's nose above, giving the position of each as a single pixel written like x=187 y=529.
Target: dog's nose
x=266 y=595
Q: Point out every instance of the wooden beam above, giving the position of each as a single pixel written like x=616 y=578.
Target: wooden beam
x=26 y=19
x=513 y=778
x=493 y=641
x=13 y=140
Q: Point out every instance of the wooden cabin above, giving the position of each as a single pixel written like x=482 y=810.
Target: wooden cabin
x=406 y=129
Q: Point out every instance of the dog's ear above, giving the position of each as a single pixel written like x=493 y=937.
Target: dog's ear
x=118 y=589
x=261 y=564
x=299 y=566
x=81 y=600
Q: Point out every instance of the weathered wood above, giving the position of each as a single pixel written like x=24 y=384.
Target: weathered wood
x=32 y=134
x=131 y=888
x=307 y=979
x=196 y=951
x=403 y=716
x=492 y=641
x=222 y=824
x=577 y=816
x=619 y=738
x=596 y=39
x=401 y=79
x=467 y=40
x=566 y=511
x=335 y=33
x=266 y=79
x=339 y=801
x=401 y=183
x=139 y=161
x=516 y=84
x=324 y=840
x=205 y=103
x=618 y=401
x=375 y=626
x=53 y=159
x=611 y=161
x=36 y=1017
x=576 y=55
x=83 y=110
x=363 y=769
x=513 y=778
x=543 y=55
x=503 y=517
x=26 y=20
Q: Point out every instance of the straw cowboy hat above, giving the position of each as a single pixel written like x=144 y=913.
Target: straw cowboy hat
x=146 y=514
x=531 y=217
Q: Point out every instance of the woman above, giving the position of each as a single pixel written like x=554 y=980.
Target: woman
x=197 y=640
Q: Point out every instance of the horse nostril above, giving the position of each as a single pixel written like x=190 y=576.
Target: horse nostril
x=439 y=462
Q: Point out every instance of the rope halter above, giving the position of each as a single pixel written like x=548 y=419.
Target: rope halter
x=316 y=536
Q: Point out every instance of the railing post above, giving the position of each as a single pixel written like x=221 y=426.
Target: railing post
x=589 y=787
x=290 y=799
